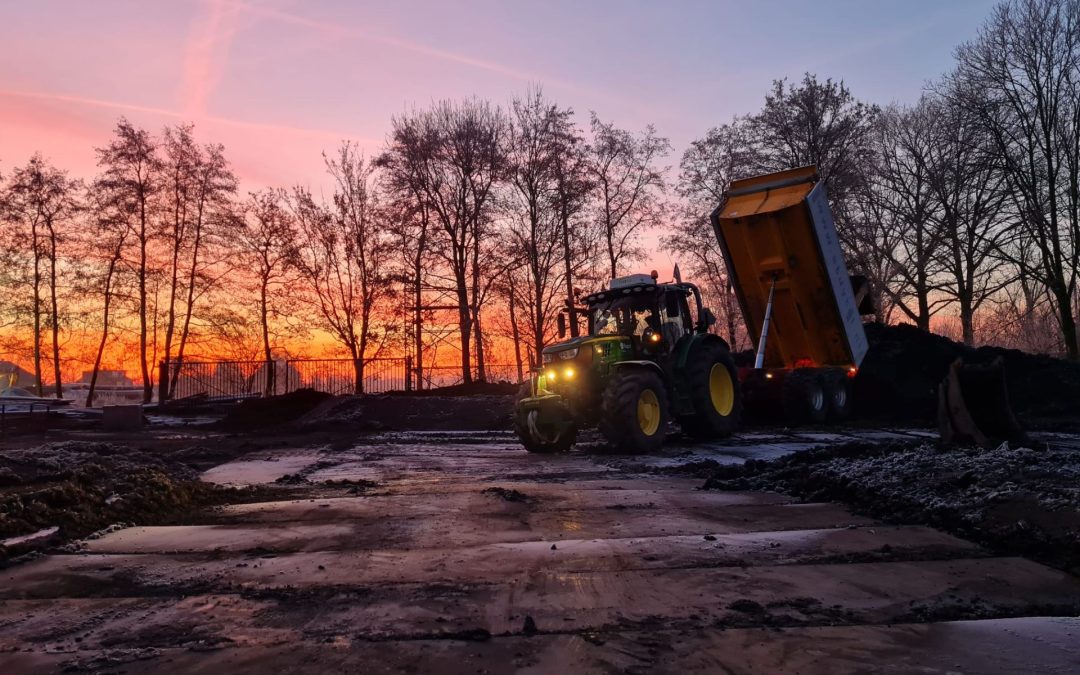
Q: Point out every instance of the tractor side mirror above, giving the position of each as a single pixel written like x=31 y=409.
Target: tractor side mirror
x=708 y=319
x=560 y=321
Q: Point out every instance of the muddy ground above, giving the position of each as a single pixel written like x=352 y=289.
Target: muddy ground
x=456 y=551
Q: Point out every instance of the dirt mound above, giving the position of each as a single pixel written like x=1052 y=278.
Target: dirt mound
x=472 y=389
x=1016 y=501
x=898 y=380
x=411 y=413
x=273 y=411
x=80 y=487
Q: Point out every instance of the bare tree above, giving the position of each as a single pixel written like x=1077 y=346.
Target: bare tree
x=459 y=160
x=405 y=171
x=265 y=240
x=103 y=248
x=1020 y=78
x=534 y=235
x=215 y=187
x=130 y=183
x=819 y=123
x=907 y=207
x=969 y=190
x=707 y=168
x=341 y=254
x=196 y=184
x=573 y=187
x=629 y=186
x=40 y=203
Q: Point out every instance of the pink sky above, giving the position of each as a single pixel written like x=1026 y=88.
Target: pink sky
x=277 y=81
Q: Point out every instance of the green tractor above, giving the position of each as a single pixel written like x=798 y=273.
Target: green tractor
x=644 y=361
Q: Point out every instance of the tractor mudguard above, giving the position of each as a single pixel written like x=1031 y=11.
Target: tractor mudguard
x=649 y=365
x=688 y=344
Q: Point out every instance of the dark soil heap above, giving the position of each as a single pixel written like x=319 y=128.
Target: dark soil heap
x=898 y=380
x=258 y=413
x=80 y=487
x=1017 y=501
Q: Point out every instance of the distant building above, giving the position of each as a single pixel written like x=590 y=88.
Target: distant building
x=11 y=375
x=108 y=378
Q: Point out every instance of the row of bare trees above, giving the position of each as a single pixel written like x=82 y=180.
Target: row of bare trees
x=469 y=207
x=968 y=200
x=476 y=224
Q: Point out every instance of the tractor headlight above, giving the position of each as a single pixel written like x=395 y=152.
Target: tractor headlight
x=568 y=354
x=568 y=373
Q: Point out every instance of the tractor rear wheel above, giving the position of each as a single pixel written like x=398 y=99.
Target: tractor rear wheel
x=804 y=397
x=634 y=411
x=535 y=435
x=715 y=393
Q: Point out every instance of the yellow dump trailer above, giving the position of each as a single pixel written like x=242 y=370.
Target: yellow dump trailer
x=799 y=304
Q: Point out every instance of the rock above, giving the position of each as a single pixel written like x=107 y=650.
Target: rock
x=530 y=626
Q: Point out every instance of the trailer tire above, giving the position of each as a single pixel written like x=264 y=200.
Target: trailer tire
x=715 y=393
x=838 y=392
x=634 y=411
x=804 y=397
x=563 y=443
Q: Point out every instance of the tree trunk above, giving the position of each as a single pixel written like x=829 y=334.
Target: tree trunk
x=358 y=373
x=967 y=322
x=148 y=383
x=55 y=320
x=1068 y=322
x=515 y=332
x=568 y=263
x=107 y=301
x=418 y=325
x=264 y=321
x=39 y=388
x=478 y=336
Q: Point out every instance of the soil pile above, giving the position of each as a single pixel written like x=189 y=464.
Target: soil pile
x=402 y=412
x=898 y=380
x=80 y=487
x=1017 y=501
x=258 y=413
x=471 y=389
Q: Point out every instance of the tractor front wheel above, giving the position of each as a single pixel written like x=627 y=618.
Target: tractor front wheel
x=634 y=411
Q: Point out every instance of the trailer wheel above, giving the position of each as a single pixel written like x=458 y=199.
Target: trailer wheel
x=838 y=392
x=634 y=411
x=533 y=437
x=715 y=393
x=804 y=397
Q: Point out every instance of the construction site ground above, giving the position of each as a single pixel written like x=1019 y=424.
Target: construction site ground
x=455 y=551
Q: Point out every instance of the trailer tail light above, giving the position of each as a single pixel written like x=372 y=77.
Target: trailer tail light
x=852 y=371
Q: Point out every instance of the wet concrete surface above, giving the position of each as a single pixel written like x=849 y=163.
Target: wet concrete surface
x=461 y=553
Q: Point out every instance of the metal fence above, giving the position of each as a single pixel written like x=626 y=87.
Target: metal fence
x=218 y=380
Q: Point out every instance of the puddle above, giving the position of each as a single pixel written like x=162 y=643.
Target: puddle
x=258 y=471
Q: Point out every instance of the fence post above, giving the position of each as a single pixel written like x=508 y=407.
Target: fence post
x=408 y=373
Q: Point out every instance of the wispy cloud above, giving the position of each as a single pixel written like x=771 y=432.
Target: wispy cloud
x=338 y=31
x=175 y=114
x=206 y=54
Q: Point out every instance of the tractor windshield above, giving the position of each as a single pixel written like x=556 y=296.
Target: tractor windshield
x=626 y=315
